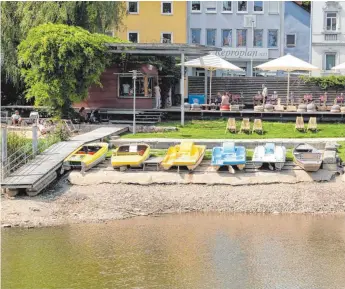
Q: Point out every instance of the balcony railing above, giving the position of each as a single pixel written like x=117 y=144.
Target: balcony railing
x=331 y=37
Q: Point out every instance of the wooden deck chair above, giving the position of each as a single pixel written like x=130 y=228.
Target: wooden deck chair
x=257 y=126
x=299 y=123
x=231 y=125
x=312 y=124
x=245 y=125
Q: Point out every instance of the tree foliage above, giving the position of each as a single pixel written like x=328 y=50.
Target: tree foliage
x=59 y=63
x=336 y=82
x=17 y=18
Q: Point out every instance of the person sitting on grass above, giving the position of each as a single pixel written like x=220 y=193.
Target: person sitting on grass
x=16 y=118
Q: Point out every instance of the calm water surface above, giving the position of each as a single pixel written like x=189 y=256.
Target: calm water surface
x=180 y=251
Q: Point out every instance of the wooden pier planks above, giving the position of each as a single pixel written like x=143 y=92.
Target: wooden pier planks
x=32 y=173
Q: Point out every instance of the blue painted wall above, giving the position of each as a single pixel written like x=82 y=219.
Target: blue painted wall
x=297 y=21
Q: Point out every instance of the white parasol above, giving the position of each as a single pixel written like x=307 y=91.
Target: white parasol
x=287 y=63
x=339 y=67
x=211 y=62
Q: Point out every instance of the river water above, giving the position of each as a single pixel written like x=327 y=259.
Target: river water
x=180 y=251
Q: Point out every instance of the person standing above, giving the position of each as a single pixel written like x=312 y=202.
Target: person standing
x=264 y=93
x=157 y=90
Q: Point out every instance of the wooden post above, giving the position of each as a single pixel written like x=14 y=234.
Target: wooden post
x=146 y=86
x=3 y=144
x=34 y=139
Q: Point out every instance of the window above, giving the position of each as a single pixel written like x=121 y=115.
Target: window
x=258 y=36
x=227 y=37
x=241 y=37
x=211 y=37
x=133 y=37
x=167 y=8
x=330 y=61
x=331 y=21
x=242 y=6
x=126 y=88
x=227 y=7
x=166 y=37
x=196 y=36
x=272 y=38
x=273 y=7
x=196 y=6
x=290 y=40
x=211 y=7
x=258 y=6
x=133 y=7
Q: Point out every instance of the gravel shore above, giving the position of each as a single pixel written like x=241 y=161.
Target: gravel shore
x=65 y=204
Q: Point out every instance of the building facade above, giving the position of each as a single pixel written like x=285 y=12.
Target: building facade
x=297 y=31
x=328 y=35
x=155 y=22
x=249 y=32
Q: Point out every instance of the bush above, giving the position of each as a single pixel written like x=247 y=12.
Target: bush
x=336 y=82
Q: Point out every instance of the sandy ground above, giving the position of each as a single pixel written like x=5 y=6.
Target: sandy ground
x=64 y=204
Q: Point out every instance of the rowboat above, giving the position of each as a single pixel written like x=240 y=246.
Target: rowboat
x=130 y=155
x=185 y=154
x=307 y=157
x=86 y=156
x=271 y=154
x=229 y=155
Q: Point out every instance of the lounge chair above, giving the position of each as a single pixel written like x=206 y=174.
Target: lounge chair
x=231 y=125
x=257 y=126
x=312 y=124
x=299 y=123
x=245 y=125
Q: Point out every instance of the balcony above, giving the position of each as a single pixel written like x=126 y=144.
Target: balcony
x=331 y=37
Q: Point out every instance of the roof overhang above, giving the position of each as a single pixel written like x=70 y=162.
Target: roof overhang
x=161 y=48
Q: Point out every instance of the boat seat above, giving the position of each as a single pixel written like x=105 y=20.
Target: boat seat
x=269 y=148
x=228 y=147
x=186 y=147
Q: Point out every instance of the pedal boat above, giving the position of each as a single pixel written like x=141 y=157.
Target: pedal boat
x=307 y=157
x=185 y=154
x=271 y=154
x=130 y=155
x=229 y=155
x=86 y=156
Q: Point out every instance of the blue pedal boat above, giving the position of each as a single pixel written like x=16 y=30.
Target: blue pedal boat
x=229 y=155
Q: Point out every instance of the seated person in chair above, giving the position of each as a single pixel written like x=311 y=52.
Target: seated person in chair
x=257 y=100
x=225 y=99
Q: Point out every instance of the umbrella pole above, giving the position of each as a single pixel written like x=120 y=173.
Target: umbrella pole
x=210 y=85
x=288 y=89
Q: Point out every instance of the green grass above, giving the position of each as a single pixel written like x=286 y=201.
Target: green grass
x=341 y=150
x=215 y=129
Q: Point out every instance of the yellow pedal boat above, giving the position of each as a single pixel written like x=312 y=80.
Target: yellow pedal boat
x=86 y=156
x=185 y=154
x=130 y=155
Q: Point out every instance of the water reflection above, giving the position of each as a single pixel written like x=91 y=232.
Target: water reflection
x=180 y=251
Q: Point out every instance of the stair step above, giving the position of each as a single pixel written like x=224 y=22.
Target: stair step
x=130 y=122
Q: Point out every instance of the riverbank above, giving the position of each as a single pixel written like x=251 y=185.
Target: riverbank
x=66 y=204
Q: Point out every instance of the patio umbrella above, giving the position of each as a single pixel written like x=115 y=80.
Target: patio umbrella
x=287 y=63
x=211 y=62
x=339 y=67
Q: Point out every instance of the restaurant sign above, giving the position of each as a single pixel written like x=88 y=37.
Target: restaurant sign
x=243 y=53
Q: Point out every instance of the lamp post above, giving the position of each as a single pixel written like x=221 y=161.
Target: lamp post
x=134 y=72
x=251 y=58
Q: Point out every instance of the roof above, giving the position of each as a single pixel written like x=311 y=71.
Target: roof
x=161 y=48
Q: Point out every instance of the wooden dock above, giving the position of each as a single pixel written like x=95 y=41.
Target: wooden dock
x=43 y=169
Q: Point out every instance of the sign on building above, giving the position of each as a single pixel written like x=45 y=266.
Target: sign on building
x=243 y=53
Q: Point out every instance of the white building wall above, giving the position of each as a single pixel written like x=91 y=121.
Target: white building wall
x=325 y=41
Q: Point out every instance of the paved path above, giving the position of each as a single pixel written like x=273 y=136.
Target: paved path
x=38 y=173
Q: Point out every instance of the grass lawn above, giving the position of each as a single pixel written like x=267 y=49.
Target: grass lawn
x=215 y=129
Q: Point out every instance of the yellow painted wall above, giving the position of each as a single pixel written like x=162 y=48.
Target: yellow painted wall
x=150 y=23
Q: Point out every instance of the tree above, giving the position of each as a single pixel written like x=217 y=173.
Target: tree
x=59 y=63
x=17 y=18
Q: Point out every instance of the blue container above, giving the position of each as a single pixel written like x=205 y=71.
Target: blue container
x=196 y=98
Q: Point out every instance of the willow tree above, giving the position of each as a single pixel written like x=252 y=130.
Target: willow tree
x=17 y=18
x=60 y=62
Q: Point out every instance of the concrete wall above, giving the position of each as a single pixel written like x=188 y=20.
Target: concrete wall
x=321 y=46
x=297 y=21
x=235 y=20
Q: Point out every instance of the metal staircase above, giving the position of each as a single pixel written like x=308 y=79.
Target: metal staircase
x=142 y=117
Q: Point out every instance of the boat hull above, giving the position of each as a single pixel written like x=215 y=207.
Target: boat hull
x=122 y=157
x=307 y=157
